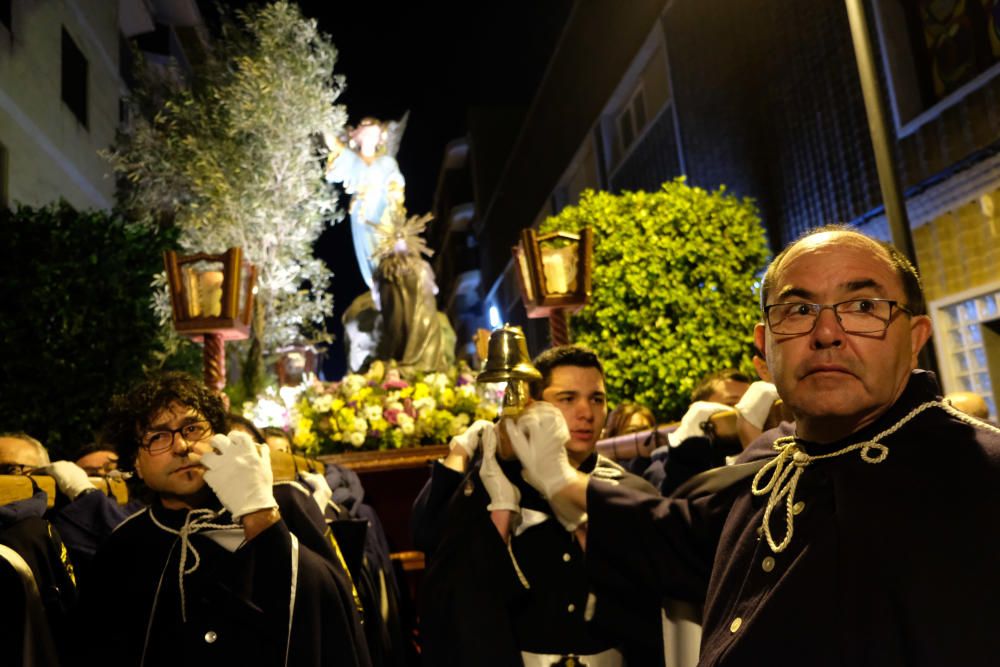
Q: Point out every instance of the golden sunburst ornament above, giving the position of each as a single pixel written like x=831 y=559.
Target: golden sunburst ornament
x=396 y=234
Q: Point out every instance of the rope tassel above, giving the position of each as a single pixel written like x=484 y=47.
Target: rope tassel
x=195 y=522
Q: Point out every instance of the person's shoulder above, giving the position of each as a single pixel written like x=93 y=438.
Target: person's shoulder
x=763 y=446
x=607 y=469
x=134 y=524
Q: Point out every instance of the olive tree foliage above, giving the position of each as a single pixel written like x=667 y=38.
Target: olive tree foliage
x=231 y=157
x=674 y=278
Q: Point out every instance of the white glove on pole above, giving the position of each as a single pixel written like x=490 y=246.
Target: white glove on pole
x=469 y=439
x=322 y=493
x=239 y=472
x=691 y=422
x=539 y=438
x=756 y=404
x=503 y=494
x=71 y=479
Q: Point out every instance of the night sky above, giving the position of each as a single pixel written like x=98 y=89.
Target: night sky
x=435 y=62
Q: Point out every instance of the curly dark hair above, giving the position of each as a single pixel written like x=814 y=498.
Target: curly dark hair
x=562 y=355
x=131 y=413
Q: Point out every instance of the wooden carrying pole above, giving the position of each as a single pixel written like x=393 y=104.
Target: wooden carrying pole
x=18 y=487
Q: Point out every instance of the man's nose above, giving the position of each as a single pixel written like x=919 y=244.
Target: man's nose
x=180 y=446
x=828 y=331
x=584 y=410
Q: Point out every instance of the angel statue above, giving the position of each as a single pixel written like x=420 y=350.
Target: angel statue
x=364 y=162
x=413 y=332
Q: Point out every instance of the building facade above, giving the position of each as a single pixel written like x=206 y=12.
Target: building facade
x=765 y=98
x=64 y=75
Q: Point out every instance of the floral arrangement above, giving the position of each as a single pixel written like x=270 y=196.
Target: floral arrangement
x=380 y=410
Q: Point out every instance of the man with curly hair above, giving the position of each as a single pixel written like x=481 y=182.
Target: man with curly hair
x=208 y=573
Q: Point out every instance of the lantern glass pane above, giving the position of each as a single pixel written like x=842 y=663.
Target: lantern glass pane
x=202 y=282
x=560 y=262
x=244 y=295
x=522 y=266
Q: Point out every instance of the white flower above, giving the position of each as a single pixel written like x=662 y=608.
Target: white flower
x=324 y=403
x=405 y=422
x=352 y=384
x=360 y=426
x=356 y=439
x=436 y=381
x=425 y=403
x=372 y=412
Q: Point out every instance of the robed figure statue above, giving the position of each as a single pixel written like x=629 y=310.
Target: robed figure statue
x=413 y=332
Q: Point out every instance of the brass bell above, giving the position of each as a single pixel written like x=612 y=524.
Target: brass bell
x=507 y=357
x=507 y=361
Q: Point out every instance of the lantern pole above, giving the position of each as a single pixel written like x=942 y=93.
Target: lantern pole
x=559 y=326
x=214 y=362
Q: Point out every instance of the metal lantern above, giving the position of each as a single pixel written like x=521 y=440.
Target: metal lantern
x=212 y=299
x=553 y=272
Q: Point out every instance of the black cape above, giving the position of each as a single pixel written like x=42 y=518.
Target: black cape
x=236 y=602
x=890 y=563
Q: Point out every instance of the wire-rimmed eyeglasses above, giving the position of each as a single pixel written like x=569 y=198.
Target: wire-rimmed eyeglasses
x=856 y=316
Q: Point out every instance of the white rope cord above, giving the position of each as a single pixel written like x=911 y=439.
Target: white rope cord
x=792 y=460
x=196 y=521
x=517 y=568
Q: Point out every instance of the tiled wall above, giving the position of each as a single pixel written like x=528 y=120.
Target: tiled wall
x=960 y=249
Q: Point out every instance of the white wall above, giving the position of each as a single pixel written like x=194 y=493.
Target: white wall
x=50 y=153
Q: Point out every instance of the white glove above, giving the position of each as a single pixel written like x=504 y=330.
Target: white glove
x=71 y=479
x=756 y=403
x=691 y=422
x=239 y=471
x=539 y=438
x=322 y=493
x=469 y=440
x=503 y=494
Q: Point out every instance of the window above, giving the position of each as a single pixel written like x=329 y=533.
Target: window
x=632 y=120
x=626 y=130
x=953 y=42
x=969 y=347
x=74 y=78
x=935 y=53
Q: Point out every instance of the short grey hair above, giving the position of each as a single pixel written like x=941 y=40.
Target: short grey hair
x=43 y=454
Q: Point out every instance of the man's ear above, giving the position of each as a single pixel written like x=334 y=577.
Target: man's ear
x=758 y=339
x=920 y=332
x=138 y=467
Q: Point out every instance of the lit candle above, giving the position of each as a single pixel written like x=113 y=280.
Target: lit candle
x=210 y=293
x=555 y=273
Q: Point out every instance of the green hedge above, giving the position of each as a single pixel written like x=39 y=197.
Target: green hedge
x=674 y=283
x=77 y=323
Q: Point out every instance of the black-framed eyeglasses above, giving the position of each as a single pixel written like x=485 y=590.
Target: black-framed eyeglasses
x=157 y=442
x=16 y=468
x=856 y=316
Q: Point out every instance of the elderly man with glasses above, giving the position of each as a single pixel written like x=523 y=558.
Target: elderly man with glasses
x=863 y=533
x=208 y=573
